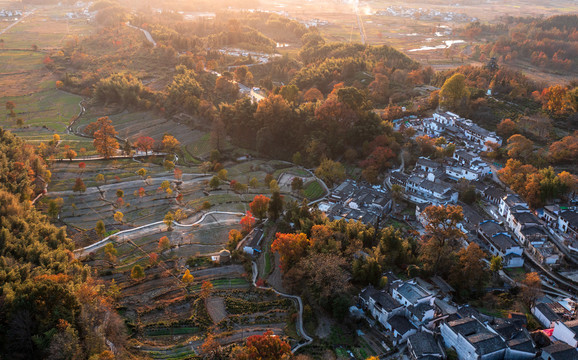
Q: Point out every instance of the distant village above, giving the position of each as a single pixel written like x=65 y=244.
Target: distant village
x=420 y=314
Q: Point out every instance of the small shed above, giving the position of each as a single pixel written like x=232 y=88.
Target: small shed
x=224 y=256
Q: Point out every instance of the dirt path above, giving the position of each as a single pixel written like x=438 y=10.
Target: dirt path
x=19 y=20
x=299 y=324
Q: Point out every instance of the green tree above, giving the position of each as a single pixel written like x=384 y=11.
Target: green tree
x=110 y=253
x=275 y=206
x=454 y=92
x=137 y=272
x=54 y=206
x=215 y=182
x=100 y=229
x=331 y=172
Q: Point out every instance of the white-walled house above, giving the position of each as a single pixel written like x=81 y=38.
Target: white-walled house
x=380 y=304
x=472 y=340
x=566 y=332
x=508 y=202
x=503 y=245
x=401 y=328
x=545 y=315
x=410 y=293
x=568 y=222
x=423 y=345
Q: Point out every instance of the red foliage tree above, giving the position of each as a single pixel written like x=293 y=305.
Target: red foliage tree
x=264 y=347
x=259 y=206
x=145 y=143
x=247 y=222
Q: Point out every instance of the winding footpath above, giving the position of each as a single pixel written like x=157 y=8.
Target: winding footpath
x=300 y=329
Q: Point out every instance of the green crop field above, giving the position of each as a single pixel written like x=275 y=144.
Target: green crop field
x=314 y=190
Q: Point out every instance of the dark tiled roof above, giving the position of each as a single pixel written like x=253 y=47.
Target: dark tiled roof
x=423 y=344
x=486 y=342
x=442 y=285
x=533 y=231
x=513 y=199
x=466 y=326
x=571 y=217
x=381 y=298
x=419 y=310
x=503 y=242
x=494 y=192
x=427 y=163
x=412 y=292
x=547 y=312
x=561 y=351
x=525 y=218
x=401 y=324
x=491 y=227
x=522 y=344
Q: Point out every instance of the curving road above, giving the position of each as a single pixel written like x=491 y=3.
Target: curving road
x=299 y=324
x=154 y=227
x=147 y=34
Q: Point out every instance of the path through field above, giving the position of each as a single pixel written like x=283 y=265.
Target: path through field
x=16 y=22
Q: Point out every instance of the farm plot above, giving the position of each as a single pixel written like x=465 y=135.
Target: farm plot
x=49 y=109
x=45 y=31
x=132 y=125
x=313 y=190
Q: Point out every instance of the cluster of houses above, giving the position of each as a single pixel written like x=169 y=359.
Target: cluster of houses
x=432 y=182
x=421 y=314
x=513 y=226
x=357 y=201
x=10 y=13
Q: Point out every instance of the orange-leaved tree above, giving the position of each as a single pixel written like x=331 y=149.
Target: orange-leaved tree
x=247 y=222
x=291 y=247
x=104 y=137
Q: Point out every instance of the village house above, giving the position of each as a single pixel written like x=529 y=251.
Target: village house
x=423 y=346
x=401 y=328
x=568 y=223
x=352 y=200
x=566 y=332
x=472 y=340
x=545 y=315
x=380 y=304
x=519 y=343
x=508 y=202
x=545 y=253
x=493 y=194
x=427 y=165
x=559 y=351
x=410 y=293
x=503 y=245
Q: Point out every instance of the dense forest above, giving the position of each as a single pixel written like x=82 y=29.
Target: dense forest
x=50 y=307
x=550 y=43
